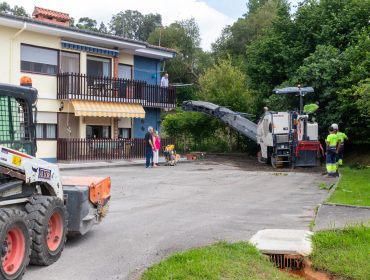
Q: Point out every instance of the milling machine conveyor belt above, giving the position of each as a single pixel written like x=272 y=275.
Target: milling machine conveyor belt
x=228 y=117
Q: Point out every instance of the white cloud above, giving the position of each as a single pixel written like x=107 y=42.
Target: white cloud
x=210 y=21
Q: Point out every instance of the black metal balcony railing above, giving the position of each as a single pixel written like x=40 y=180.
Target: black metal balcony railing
x=75 y=86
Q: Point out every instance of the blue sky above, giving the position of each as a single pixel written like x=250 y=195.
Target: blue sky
x=234 y=10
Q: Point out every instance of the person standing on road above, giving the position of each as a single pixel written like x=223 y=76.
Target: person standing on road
x=149 y=145
x=342 y=137
x=332 y=148
x=157 y=145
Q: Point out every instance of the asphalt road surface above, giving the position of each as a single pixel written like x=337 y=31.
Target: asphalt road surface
x=156 y=212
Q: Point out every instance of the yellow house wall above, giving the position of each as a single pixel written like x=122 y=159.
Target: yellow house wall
x=125 y=58
x=5 y=35
x=45 y=84
x=46 y=149
x=10 y=72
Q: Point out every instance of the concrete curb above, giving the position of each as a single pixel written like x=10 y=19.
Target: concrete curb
x=346 y=205
x=109 y=165
x=335 y=186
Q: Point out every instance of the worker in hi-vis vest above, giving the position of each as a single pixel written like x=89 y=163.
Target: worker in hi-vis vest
x=332 y=149
x=342 y=137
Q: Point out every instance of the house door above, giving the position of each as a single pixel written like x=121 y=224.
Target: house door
x=70 y=63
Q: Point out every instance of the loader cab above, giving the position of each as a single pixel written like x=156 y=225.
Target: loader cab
x=17 y=129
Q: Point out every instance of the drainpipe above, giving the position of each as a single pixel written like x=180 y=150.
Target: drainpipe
x=11 y=51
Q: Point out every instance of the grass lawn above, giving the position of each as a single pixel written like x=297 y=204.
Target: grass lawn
x=344 y=253
x=353 y=188
x=223 y=260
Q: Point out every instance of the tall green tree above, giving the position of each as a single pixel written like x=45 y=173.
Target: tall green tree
x=87 y=23
x=134 y=25
x=226 y=85
x=103 y=28
x=236 y=37
x=16 y=10
x=190 y=61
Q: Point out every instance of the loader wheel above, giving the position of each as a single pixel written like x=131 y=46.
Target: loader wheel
x=49 y=225
x=15 y=241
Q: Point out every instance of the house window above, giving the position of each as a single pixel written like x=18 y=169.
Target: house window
x=69 y=62
x=98 y=132
x=124 y=71
x=98 y=66
x=39 y=60
x=46 y=131
x=125 y=133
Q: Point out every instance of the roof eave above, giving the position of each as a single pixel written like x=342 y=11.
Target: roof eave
x=84 y=36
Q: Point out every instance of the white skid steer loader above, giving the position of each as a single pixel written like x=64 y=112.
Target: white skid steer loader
x=38 y=208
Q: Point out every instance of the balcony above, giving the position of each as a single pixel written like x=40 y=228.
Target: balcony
x=75 y=86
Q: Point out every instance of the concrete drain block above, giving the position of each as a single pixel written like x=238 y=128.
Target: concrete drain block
x=286 y=248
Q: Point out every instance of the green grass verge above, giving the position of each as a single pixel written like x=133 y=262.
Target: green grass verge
x=238 y=261
x=344 y=253
x=353 y=187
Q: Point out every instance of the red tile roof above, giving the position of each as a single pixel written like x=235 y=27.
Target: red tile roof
x=50 y=13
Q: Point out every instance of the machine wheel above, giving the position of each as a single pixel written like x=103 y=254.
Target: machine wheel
x=49 y=225
x=15 y=240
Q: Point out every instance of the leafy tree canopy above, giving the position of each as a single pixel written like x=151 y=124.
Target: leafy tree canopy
x=87 y=23
x=134 y=25
x=16 y=10
x=226 y=85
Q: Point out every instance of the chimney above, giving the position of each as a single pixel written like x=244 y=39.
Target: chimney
x=50 y=16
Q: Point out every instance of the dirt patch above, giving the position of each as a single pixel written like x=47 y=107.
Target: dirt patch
x=308 y=273
x=249 y=163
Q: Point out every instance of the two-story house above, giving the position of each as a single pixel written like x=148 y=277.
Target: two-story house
x=91 y=86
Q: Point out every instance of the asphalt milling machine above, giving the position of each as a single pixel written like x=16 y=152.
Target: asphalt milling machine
x=38 y=207
x=285 y=138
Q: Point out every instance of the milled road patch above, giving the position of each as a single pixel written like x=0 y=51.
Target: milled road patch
x=158 y=211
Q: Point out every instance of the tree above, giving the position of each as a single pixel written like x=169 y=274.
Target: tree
x=190 y=61
x=226 y=85
x=5 y=8
x=103 y=28
x=134 y=25
x=16 y=10
x=235 y=38
x=355 y=109
x=87 y=23
x=189 y=128
x=254 y=5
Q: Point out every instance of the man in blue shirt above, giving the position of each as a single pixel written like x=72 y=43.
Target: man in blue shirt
x=149 y=145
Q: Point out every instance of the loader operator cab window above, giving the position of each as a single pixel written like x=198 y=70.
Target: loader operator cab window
x=14 y=124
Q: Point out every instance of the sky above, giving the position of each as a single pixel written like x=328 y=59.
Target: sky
x=211 y=15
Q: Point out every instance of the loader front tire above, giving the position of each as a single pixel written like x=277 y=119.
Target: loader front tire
x=15 y=242
x=48 y=219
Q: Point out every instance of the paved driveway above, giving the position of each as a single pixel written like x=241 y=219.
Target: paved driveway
x=158 y=211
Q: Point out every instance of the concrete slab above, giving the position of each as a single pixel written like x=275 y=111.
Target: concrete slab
x=283 y=241
x=338 y=216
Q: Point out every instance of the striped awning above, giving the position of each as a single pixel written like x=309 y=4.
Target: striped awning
x=108 y=109
x=89 y=49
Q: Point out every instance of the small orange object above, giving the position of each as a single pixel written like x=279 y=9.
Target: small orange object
x=26 y=81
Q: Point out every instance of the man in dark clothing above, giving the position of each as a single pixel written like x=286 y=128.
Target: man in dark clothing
x=149 y=146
